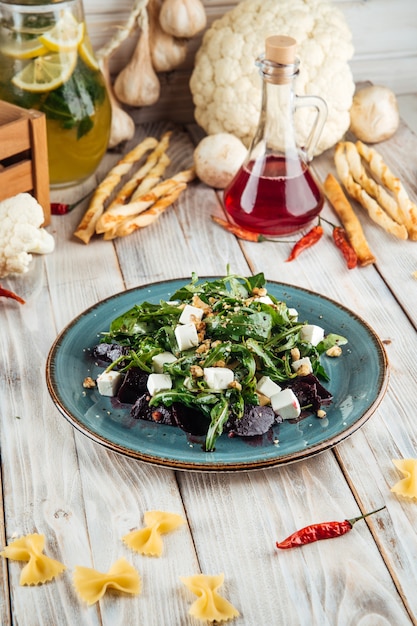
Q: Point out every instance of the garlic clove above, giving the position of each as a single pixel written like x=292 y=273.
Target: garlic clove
x=122 y=125
x=137 y=84
x=183 y=18
x=167 y=52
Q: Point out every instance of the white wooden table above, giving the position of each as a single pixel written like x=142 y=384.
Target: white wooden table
x=84 y=498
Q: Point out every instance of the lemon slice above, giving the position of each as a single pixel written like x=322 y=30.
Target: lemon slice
x=46 y=73
x=65 y=36
x=86 y=53
x=26 y=49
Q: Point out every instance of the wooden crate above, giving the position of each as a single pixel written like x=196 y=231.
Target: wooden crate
x=24 y=155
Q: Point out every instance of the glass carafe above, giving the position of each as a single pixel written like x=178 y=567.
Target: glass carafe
x=274 y=192
x=47 y=63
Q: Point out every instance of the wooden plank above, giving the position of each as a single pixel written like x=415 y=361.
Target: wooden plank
x=14 y=138
x=16 y=178
x=40 y=171
x=4 y=590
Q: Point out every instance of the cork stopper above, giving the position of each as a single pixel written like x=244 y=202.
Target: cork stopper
x=280 y=49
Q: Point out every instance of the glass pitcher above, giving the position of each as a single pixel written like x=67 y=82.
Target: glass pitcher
x=274 y=192
x=47 y=63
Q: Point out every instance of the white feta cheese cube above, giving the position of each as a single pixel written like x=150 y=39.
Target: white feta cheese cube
x=108 y=383
x=186 y=336
x=190 y=313
x=158 y=382
x=267 y=387
x=264 y=299
x=293 y=313
x=218 y=377
x=305 y=361
x=160 y=359
x=285 y=404
x=310 y=333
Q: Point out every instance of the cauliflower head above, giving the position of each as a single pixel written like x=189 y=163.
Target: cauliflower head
x=225 y=83
x=20 y=234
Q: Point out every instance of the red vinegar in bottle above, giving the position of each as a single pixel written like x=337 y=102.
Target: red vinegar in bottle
x=274 y=192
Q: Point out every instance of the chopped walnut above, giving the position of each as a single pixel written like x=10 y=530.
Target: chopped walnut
x=196 y=371
x=334 y=351
x=303 y=370
x=89 y=383
x=198 y=302
x=202 y=348
x=219 y=363
x=235 y=385
x=295 y=354
x=259 y=291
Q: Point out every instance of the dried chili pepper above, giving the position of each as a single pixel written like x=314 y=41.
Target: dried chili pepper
x=240 y=232
x=62 y=208
x=317 y=532
x=342 y=242
x=5 y=293
x=306 y=241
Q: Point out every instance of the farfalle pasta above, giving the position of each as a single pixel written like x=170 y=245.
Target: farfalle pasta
x=407 y=486
x=210 y=606
x=91 y=585
x=39 y=568
x=148 y=540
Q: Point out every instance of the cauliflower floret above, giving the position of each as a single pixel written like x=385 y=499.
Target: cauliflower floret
x=225 y=84
x=20 y=234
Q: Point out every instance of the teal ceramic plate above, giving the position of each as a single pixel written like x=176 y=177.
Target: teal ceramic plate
x=358 y=381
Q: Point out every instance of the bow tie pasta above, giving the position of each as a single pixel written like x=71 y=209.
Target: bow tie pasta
x=210 y=606
x=407 y=486
x=91 y=585
x=40 y=568
x=148 y=540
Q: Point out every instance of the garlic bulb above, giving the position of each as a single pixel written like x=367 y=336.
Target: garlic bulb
x=137 y=84
x=122 y=125
x=167 y=52
x=183 y=18
x=374 y=114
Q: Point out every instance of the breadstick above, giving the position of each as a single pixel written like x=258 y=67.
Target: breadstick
x=384 y=199
x=375 y=212
x=150 y=181
x=350 y=222
x=394 y=184
x=149 y=216
x=156 y=157
x=112 y=217
x=86 y=228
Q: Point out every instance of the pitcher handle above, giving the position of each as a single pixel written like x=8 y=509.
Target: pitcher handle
x=320 y=105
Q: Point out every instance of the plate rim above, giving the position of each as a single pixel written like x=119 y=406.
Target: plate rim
x=177 y=464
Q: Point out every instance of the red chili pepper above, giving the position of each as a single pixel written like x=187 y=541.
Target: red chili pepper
x=240 y=232
x=5 y=293
x=317 y=532
x=306 y=241
x=61 y=208
x=342 y=242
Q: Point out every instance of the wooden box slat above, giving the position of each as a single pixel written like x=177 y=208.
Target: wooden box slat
x=24 y=155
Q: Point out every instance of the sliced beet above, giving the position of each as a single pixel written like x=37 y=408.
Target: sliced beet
x=191 y=420
x=108 y=352
x=133 y=385
x=256 y=420
x=310 y=391
x=159 y=415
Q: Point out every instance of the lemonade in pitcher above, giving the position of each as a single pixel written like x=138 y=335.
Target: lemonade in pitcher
x=47 y=63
